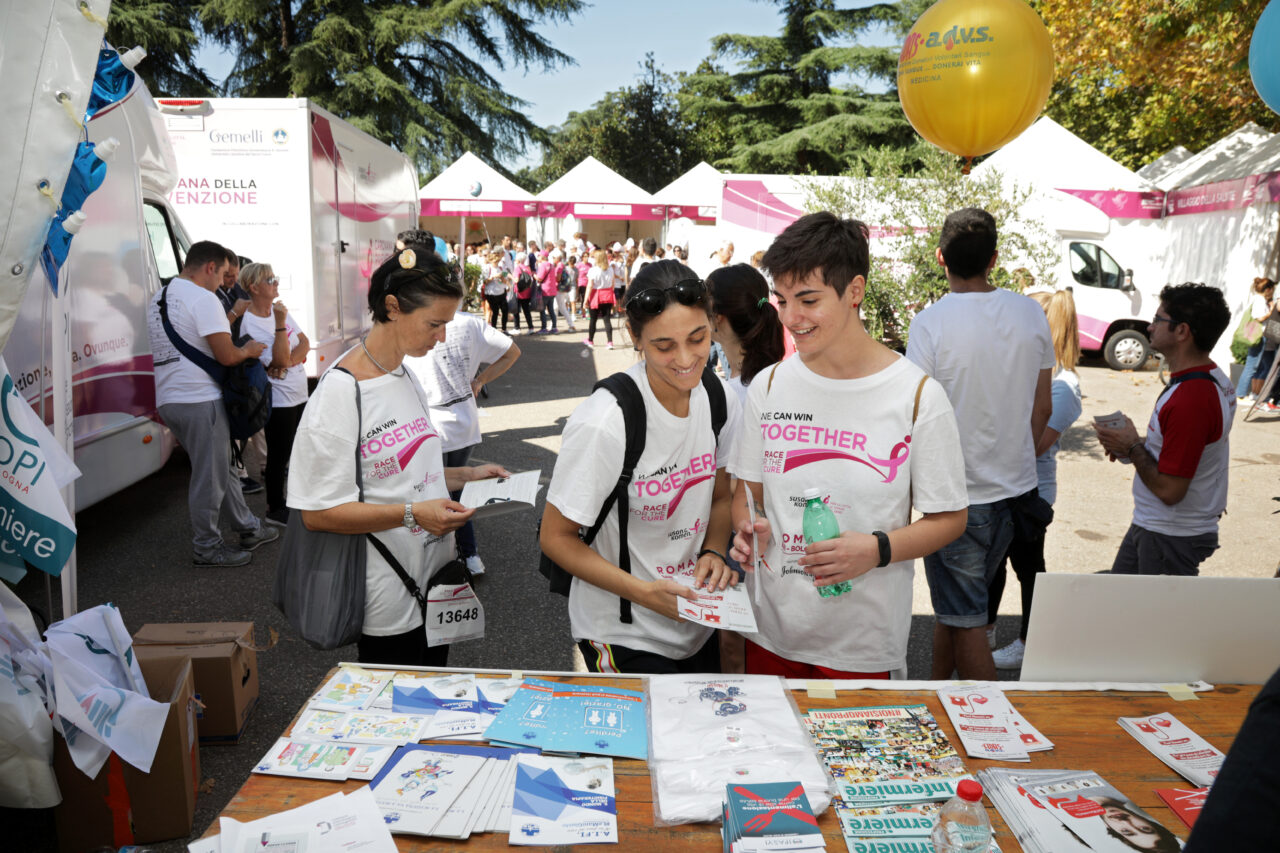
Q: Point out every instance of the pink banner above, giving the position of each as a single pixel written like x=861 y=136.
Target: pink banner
x=612 y=210
x=1123 y=204
x=749 y=203
x=706 y=213
x=1224 y=195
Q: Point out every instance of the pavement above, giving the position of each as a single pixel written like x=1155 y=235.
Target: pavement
x=134 y=551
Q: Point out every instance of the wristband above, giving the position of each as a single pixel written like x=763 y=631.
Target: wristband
x=1142 y=442
x=705 y=551
x=282 y=329
x=886 y=551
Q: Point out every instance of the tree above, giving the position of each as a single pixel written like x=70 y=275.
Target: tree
x=905 y=195
x=637 y=131
x=780 y=112
x=413 y=73
x=1136 y=78
x=168 y=33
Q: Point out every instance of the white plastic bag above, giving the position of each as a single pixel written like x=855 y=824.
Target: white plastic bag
x=26 y=734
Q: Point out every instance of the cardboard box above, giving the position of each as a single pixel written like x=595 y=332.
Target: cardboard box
x=225 y=664
x=122 y=805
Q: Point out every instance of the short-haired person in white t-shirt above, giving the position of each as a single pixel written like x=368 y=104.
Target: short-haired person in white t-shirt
x=992 y=351
x=678 y=497
x=876 y=437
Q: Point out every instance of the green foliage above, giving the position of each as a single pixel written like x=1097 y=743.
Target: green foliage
x=413 y=73
x=637 y=131
x=168 y=33
x=779 y=112
x=906 y=195
x=1239 y=350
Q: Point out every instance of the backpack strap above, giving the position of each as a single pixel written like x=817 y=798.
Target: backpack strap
x=769 y=386
x=631 y=402
x=209 y=365
x=715 y=396
x=915 y=409
x=1186 y=377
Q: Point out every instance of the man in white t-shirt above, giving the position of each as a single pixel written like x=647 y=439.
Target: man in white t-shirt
x=992 y=351
x=648 y=250
x=190 y=403
x=448 y=375
x=1180 y=467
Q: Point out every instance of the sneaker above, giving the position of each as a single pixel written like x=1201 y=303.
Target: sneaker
x=1010 y=657
x=1270 y=407
x=264 y=534
x=610 y=344
x=587 y=342
x=250 y=486
x=474 y=564
x=991 y=636
x=1247 y=400
x=222 y=558
x=277 y=517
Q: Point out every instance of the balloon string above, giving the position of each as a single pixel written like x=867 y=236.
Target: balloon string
x=968 y=162
x=91 y=15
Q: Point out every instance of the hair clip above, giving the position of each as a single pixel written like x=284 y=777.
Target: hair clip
x=762 y=301
x=408 y=260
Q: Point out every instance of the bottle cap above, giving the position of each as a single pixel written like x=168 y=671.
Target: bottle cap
x=969 y=790
x=810 y=494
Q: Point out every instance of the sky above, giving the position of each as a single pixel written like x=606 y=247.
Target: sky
x=608 y=40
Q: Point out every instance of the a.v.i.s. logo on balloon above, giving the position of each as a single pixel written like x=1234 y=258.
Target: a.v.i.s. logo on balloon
x=959 y=35
x=910 y=47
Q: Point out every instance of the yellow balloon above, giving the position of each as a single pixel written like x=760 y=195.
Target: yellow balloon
x=973 y=74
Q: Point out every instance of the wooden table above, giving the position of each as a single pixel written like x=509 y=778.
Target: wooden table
x=1081 y=724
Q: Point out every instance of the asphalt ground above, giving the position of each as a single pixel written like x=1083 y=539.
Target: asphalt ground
x=134 y=551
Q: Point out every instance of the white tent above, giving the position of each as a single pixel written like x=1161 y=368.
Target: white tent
x=691 y=201
x=1200 y=168
x=1047 y=154
x=1157 y=169
x=594 y=199
x=473 y=198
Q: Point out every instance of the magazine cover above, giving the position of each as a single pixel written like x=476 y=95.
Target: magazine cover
x=886 y=755
x=563 y=801
x=906 y=821
x=1101 y=816
x=770 y=816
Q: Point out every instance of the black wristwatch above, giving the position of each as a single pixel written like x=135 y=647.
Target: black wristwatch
x=886 y=552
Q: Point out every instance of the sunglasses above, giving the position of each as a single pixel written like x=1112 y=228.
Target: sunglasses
x=654 y=300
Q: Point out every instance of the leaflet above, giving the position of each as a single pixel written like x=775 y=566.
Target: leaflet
x=331 y=761
x=500 y=495
x=728 y=608
x=1186 y=803
x=598 y=720
x=988 y=724
x=418 y=785
x=526 y=719
x=1095 y=811
x=770 y=816
x=334 y=824
x=886 y=755
x=563 y=801
x=1031 y=823
x=380 y=727
x=450 y=702
x=349 y=690
x=1165 y=737
x=318 y=725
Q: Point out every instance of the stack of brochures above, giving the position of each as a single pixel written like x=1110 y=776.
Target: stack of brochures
x=573 y=719
x=988 y=724
x=1188 y=754
x=335 y=824
x=1071 y=811
x=459 y=706
x=560 y=800
x=769 y=816
x=892 y=766
x=446 y=791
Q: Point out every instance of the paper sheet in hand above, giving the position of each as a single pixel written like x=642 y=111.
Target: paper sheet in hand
x=501 y=494
x=728 y=608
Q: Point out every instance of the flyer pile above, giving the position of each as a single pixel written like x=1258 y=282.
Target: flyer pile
x=769 y=816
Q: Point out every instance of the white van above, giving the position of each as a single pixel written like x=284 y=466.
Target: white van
x=131 y=244
x=284 y=182
x=1112 y=311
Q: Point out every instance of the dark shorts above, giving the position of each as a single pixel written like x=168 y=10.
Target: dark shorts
x=959 y=573
x=1144 y=552
x=610 y=657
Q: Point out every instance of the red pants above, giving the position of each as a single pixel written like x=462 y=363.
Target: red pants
x=761 y=661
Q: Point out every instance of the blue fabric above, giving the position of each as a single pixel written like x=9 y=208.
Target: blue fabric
x=1252 y=357
x=87 y=174
x=1066 y=408
x=111 y=82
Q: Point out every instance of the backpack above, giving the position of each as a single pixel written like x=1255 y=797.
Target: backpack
x=567 y=278
x=524 y=283
x=246 y=389
x=631 y=402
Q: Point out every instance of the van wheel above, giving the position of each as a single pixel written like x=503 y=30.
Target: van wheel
x=1127 y=350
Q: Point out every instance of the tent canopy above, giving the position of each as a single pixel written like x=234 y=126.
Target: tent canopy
x=695 y=194
x=452 y=192
x=591 y=190
x=1049 y=155
x=1250 y=150
x=1156 y=170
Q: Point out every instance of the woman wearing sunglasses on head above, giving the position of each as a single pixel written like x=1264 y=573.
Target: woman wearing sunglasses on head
x=678 y=496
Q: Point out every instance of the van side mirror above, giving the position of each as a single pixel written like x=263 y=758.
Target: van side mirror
x=1128 y=287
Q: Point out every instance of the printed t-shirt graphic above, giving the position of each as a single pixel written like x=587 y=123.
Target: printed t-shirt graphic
x=401 y=462
x=669 y=499
x=853 y=440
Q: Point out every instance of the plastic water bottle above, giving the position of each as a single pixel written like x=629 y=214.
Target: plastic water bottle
x=963 y=825
x=819 y=524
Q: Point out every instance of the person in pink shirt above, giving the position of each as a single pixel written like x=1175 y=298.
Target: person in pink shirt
x=549 y=268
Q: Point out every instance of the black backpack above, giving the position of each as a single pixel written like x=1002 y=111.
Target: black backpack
x=525 y=283
x=630 y=400
x=246 y=388
x=565 y=284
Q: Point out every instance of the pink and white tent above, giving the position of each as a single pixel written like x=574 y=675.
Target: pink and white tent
x=594 y=199
x=473 y=197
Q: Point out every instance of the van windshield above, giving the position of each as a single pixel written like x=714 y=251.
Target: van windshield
x=164 y=247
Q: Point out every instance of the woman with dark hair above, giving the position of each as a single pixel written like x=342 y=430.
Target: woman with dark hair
x=679 y=515
x=377 y=413
x=746 y=324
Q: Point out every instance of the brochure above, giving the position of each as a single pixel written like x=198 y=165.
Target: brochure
x=288 y=757
x=1098 y=814
x=318 y=725
x=1165 y=737
x=770 y=816
x=526 y=718
x=563 y=801
x=334 y=824
x=450 y=702
x=1032 y=825
x=349 y=690
x=598 y=720
x=728 y=608
x=886 y=755
x=988 y=724
x=380 y=727
x=501 y=495
x=1186 y=803
x=419 y=784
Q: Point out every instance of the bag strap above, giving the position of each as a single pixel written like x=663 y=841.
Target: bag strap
x=769 y=385
x=715 y=396
x=915 y=409
x=1186 y=377
x=359 y=430
x=209 y=365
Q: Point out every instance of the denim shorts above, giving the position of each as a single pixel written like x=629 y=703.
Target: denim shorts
x=960 y=572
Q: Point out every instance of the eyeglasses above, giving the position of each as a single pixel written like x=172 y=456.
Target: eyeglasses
x=273 y=280
x=654 y=300
x=1172 y=322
